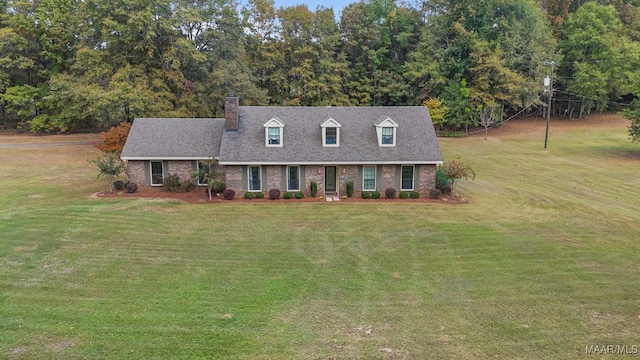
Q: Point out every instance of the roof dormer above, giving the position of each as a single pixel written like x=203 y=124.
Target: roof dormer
x=386 y=131
x=330 y=133
x=273 y=131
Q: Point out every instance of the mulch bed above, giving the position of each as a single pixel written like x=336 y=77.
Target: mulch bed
x=199 y=197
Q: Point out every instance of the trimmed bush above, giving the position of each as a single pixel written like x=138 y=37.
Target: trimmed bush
x=288 y=195
x=132 y=187
x=229 y=194
x=375 y=194
x=118 y=185
x=274 y=194
x=414 y=194
x=446 y=190
x=390 y=193
x=366 y=194
x=435 y=194
x=403 y=195
x=299 y=195
x=349 y=188
x=259 y=195
x=249 y=195
x=313 y=188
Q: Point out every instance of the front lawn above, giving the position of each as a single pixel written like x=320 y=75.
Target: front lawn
x=542 y=263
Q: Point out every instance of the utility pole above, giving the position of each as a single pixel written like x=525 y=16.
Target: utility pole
x=548 y=84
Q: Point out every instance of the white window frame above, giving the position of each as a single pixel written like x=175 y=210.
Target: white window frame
x=386 y=124
x=151 y=172
x=375 y=170
x=249 y=179
x=289 y=167
x=330 y=123
x=274 y=123
x=413 y=177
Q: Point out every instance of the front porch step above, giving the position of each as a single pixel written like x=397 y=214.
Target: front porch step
x=332 y=198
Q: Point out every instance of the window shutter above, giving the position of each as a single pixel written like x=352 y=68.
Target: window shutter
x=416 y=178
x=284 y=178
x=245 y=178
x=147 y=172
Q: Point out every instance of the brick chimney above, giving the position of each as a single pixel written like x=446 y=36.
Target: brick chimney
x=231 y=103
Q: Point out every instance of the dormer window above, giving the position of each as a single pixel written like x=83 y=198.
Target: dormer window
x=330 y=133
x=386 y=131
x=273 y=132
x=273 y=135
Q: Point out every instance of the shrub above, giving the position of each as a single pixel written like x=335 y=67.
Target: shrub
x=446 y=190
x=349 y=188
x=299 y=194
x=435 y=194
x=441 y=179
x=288 y=195
x=366 y=194
x=375 y=194
x=229 y=194
x=313 y=188
x=132 y=187
x=249 y=195
x=218 y=187
x=414 y=194
x=260 y=195
x=118 y=185
x=174 y=184
x=274 y=194
x=390 y=193
x=403 y=195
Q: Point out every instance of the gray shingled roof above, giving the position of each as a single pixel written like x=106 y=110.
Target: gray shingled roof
x=166 y=139
x=416 y=140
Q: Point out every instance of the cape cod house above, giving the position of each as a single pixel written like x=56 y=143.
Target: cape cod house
x=287 y=148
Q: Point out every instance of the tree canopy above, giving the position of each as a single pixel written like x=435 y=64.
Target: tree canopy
x=69 y=65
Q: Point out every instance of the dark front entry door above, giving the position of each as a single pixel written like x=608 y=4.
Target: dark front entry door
x=330 y=178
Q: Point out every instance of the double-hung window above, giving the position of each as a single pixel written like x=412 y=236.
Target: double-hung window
x=387 y=136
x=369 y=177
x=255 y=183
x=407 y=178
x=331 y=137
x=293 y=178
x=274 y=136
x=157 y=173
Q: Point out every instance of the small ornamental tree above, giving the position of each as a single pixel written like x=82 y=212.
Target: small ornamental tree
x=110 y=167
x=114 y=139
x=633 y=114
x=208 y=173
x=455 y=170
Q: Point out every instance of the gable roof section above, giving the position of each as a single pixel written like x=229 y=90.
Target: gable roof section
x=173 y=139
x=302 y=136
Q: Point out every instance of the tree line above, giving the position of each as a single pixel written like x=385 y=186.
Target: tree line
x=78 y=65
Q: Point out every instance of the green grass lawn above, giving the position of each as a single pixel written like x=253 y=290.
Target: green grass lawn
x=543 y=262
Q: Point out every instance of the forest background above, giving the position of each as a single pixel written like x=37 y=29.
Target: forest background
x=85 y=65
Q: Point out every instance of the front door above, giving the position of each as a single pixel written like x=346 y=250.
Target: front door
x=330 y=178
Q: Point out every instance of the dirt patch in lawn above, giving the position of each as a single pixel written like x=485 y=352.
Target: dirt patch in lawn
x=537 y=125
